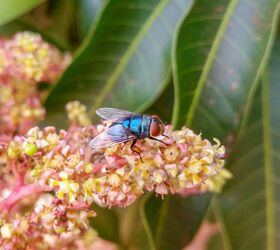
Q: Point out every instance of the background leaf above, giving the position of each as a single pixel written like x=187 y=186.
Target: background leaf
x=219 y=56
x=106 y=223
x=132 y=232
x=54 y=20
x=217 y=68
x=250 y=204
x=10 y=10
x=88 y=12
x=164 y=104
x=125 y=62
x=171 y=223
x=222 y=48
x=57 y=19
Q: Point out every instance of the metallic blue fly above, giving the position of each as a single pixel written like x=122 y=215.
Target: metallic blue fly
x=126 y=126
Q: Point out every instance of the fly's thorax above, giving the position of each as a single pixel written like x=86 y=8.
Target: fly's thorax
x=138 y=125
x=146 y=123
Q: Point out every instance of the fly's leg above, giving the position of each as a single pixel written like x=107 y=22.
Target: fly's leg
x=165 y=136
x=124 y=145
x=156 y=139
x=135 y=151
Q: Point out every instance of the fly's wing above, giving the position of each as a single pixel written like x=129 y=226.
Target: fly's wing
x=113 y=114
x=102 y=140
x=113 y=135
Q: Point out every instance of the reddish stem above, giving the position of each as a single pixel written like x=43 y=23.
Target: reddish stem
x=19 y=178
x=81 y=206
x=20 y=192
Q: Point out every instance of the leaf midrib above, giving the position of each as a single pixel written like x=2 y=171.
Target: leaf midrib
x=145 y=222
x=127 y=55
x=209 y=61
x=268 y=165
x=260 y=70
x=266 y=135
x=162 y=220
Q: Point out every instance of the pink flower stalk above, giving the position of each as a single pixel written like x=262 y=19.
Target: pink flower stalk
x=25 y=61
x=206 y=231
x=62 y=163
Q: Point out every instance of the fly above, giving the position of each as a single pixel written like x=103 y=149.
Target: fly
x=127 y=126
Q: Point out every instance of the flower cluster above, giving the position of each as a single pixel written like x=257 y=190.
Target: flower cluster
x=49 y=179
x=28 y=58
x=51 y=225
x=25 y=61
x=180 y=167
x=62 y=163
x=115 y=176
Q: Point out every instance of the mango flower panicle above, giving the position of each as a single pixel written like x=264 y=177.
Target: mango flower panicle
x=26 y=60
x=36 y=161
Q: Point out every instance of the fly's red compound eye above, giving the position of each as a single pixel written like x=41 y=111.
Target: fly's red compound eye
x=156 y=117
x=155 y=129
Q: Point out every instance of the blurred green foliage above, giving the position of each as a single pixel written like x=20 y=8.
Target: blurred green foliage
x=205 y=64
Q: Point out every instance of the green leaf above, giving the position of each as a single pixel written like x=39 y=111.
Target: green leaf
x=132 y=232
x=10 y=10
x=106 y=223
x=61 y=26
x=216 y=241
x=124 y=62
x=54 y=20
x=88 y=11
x=171 y=223
x=249 y=207
x=221 y=51
x=166 y=100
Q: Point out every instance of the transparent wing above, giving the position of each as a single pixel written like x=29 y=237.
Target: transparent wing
x=113 y=114
x=101 y=141
x=112 y=136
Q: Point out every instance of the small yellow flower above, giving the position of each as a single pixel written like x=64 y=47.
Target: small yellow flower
x=171 y=153
x=88 y=190
x=220 y=149
x=194 y=166
x=66 y=187
x=52 y=138
x=14 y=150
x=171 y=169
x=143 y=169
x=7 y=230
x=23 y=226
x=216 y=183
x=59 y=229
x=93 y=186
x=196 y=179
x=159 y=176
x=114 y=180
x=88 y=168
x=77 y=113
